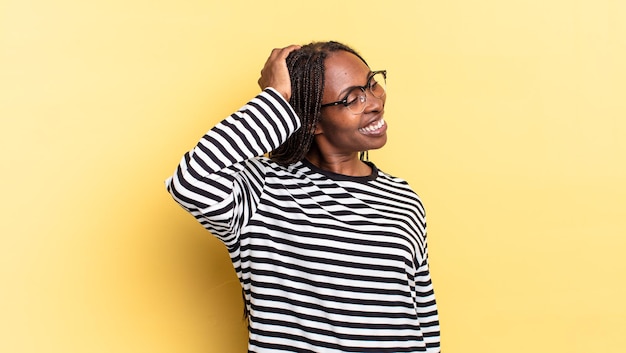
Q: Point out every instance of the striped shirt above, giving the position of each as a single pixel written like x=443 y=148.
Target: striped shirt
x=327 y=262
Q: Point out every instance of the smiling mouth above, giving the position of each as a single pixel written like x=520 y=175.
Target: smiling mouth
x=374 y=127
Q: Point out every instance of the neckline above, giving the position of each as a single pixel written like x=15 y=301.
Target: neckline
x=335 y=176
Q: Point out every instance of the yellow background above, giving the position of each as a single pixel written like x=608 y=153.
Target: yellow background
x=507 y=117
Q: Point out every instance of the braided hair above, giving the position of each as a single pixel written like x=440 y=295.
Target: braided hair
x=306 y=69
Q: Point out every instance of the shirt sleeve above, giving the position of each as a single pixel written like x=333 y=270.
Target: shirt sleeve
x=426 y=305
x=220 y=181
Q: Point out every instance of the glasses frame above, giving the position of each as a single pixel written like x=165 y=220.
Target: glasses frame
x=368 y=86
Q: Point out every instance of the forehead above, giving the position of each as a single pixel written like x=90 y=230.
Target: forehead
x=343 y=70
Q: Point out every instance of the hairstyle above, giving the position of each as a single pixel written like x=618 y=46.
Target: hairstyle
x=306 y=69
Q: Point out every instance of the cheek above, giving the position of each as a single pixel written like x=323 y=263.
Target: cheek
x=343 y=132
x=338 y=125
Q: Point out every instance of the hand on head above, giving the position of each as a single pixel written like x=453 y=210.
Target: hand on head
x=275 y=73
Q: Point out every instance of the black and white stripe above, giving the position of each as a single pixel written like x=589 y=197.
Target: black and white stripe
x=328 y=263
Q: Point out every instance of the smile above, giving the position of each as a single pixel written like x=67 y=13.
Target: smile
x=374 y=127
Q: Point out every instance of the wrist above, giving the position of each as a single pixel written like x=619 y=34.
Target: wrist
x=282 y=93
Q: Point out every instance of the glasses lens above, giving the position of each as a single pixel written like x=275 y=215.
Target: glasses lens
x=356 y=100
x=378 y=85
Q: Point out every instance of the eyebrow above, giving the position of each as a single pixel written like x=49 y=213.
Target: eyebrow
x=344 y=92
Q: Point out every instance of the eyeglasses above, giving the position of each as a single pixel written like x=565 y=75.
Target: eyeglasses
x=356 y=98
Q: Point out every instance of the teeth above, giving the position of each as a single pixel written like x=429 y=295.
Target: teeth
x=373 y=127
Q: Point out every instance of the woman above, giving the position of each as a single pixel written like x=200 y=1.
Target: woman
x=329 y=250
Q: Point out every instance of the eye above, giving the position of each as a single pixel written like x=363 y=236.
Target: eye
x=355 y=96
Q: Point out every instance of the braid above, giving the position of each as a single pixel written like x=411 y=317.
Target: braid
x=306 y=69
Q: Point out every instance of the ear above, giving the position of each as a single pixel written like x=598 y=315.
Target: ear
x=317 y=128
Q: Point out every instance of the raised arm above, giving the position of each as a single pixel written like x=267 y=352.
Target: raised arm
x=219 y=181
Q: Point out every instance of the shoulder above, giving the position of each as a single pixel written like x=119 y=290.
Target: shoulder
x=385 y=177
x=397 y=185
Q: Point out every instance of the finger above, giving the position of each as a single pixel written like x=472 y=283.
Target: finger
x=287 y=50
x=281 y=53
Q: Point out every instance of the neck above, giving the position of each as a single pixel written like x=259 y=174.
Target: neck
x=345 y=164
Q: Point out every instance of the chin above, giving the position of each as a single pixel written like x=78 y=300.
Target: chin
x=379 y=143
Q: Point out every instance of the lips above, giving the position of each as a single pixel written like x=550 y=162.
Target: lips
x=375 y=127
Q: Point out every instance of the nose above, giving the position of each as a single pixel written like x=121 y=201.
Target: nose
x=373 y=103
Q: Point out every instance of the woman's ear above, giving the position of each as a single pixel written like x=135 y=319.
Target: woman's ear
x=317 y=129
